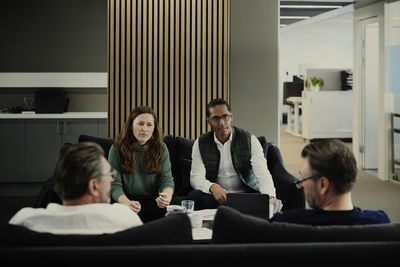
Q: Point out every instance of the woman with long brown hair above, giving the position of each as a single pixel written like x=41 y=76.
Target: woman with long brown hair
x=144 y=179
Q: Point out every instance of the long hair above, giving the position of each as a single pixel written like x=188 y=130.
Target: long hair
x=126 y=140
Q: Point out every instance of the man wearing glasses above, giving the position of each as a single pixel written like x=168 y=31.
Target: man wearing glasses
x=328 y=171
x=226 y=159
x=82 y=180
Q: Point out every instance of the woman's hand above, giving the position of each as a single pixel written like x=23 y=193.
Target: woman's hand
x=164 y=198
x=134 y=205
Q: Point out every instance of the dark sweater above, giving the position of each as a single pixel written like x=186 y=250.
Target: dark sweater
x=356 y=216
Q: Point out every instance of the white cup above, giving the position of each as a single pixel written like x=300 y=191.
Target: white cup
x=188 y=205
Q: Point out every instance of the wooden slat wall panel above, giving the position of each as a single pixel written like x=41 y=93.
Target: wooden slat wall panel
x=172 y=55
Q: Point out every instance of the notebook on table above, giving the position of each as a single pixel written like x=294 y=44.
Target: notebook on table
x=254 y=204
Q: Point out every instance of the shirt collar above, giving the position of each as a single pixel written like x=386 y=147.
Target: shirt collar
x=229 y=140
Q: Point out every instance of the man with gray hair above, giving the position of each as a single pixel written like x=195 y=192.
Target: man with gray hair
x=82 y=180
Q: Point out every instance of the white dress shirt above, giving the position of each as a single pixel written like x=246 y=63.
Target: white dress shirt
x=96 y=218
x=227 y=176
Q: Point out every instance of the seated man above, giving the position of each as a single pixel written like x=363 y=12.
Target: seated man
x=227 y=159
x=329 y=171
x=82 y=180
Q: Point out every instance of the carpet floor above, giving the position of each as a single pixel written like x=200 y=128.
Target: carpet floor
x=369 y=191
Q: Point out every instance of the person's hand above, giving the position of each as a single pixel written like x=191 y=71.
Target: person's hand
x=219 y=193
x=135 y=206
x=163 y=200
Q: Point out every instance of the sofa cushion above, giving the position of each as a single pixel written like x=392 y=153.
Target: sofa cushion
x=183 y=147
x=105 y=143
x=183 y=159
x=185 y=166
x=169 y=141
x=173 y=229
x=231 y=226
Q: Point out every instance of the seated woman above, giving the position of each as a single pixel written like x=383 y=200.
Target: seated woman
x=144 y=179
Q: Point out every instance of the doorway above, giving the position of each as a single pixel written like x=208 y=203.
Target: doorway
x=370 y=92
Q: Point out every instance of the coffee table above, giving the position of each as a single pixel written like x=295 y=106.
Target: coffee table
x=204 y=233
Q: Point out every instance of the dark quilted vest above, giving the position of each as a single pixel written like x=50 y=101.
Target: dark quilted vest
x=240 y=151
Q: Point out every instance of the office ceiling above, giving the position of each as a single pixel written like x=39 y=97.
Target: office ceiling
x=295 y=11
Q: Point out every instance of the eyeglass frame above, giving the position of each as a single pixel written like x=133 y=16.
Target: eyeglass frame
x=299 y=182
x=112 y=173
x=224 y=117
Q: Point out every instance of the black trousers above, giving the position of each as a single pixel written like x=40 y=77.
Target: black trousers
x=150 y=211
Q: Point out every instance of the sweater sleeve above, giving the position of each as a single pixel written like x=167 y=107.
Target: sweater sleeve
x=115 y=162
x=166 y=179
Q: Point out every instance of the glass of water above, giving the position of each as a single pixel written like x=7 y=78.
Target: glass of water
x=188 y=205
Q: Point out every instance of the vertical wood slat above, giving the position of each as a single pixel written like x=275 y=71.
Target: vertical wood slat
x=166 y=67
x=187 y=67
x=182 y=70
x=139 y=54
x=155 y=58
x=198 y=68
x=193 y=69
x=209 y=52
x=132 y=89
x=172 y=55
x=122 y=64
x=176 y=108
x=203 y=66
x=128 y=60
x=171 y=68
x=111 y=78
x=226 y=49
x=150 y=55
x=117 y=92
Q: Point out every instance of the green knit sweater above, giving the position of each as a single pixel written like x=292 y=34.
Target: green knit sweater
x=140 y=185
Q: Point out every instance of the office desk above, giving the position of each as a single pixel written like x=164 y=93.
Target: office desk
x=296 y=101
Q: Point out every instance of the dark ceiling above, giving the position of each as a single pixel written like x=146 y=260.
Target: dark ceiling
x=306 y=9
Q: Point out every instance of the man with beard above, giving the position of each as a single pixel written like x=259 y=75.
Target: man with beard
x=328 y=173
x=82 y=180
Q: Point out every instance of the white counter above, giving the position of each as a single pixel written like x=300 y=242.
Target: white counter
x=327 y=114
x=66 y=115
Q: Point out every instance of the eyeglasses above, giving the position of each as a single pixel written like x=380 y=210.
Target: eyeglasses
x=299 y=183
x=112 y=174
x=224 y=117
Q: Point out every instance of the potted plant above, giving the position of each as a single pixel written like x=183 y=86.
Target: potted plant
x=314 y=83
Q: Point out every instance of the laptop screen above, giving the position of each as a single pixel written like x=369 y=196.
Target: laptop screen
x=254 y=204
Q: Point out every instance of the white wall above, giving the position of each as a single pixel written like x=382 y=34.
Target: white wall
x=323 y=41
x=392 y=27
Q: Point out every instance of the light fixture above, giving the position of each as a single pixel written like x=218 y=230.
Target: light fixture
x=309 y=6
x=294 y=17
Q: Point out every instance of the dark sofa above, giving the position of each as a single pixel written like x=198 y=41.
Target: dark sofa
x=237 y=239
x=180 y=150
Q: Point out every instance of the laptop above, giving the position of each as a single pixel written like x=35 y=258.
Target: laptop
x=254 y=204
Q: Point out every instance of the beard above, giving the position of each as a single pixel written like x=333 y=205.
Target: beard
x=313 y=198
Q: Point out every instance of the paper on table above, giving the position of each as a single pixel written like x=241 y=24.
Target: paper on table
x=206 y=214
x=201 y=233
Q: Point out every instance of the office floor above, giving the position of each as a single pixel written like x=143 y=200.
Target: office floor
x=369 y=191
